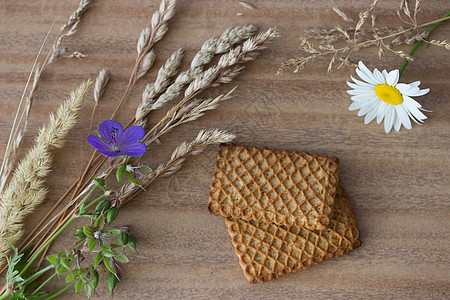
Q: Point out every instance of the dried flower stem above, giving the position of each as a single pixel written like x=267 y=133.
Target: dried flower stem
x=301 y=62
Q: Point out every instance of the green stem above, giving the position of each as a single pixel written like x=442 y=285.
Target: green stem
x=95 y=201
x=419 y=42
x=44 y=283
x=60 y=291
x=5 y=294
x=41 y=249
x=36 y=275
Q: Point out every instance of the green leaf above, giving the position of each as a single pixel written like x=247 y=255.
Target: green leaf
x=100 y=221
x=112 y=231
x=145 y=169
x=79 y=234
x=100 y=182
x=88 y=289
x=121 y=257
x=103 y=206
x=69 y=277
x=65 y=264
x=120 y=172
x=132 y=243
x=95 y=280
x=23 y=259
x=97 y=259
x=107 y=253
x=78 y=286
x=91 y=243
x=106 y=246
x=132 y=179
x=112 y=214
x=123 y=238
x=112 y=283
x=52 y=259
x=88 y=231
x=109 y=265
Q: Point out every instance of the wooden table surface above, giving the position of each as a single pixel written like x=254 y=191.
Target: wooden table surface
x=398 y=183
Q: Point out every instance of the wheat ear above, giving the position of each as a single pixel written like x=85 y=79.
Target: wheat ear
x=211 y=47
x=26 y=189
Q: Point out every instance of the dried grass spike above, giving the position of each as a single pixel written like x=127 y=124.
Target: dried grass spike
x=100 y=83
x=341 y=14
x=26 y=189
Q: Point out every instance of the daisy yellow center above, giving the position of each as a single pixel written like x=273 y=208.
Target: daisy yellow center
x=388 y=94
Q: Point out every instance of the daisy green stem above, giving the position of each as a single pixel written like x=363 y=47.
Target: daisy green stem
x=419 y=42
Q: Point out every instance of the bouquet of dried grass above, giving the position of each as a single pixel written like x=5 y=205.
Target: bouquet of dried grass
x=343 y=41
x=120 y=151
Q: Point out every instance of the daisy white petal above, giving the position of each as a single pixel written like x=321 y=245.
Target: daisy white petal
x=361 y=97
x=373 y=113
x=358 y=87
x=415 y=83
x=378 y=76
x=381 y=112
x=398 y=121
x=368 y=106
x=413 y=110
x=389 y=118
x=356 y=105
x=392 y=78
x=418 y=93
x=403 y=116
x=364 y=76
x=362 y=83
x=360 y=92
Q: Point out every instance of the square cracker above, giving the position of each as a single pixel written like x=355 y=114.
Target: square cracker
x=273 y=186
x=267 y=251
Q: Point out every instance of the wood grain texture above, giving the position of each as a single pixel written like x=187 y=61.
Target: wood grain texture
x=397 y=183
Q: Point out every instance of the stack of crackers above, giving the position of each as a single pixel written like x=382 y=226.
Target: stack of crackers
x=284 y=210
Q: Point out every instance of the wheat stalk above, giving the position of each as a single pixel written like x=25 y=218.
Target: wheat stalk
x=211 y=47
x=100 y=84
x=169 y=69
x=68 y=29
x=26 y=189
x=147 y=39
x=229 y=66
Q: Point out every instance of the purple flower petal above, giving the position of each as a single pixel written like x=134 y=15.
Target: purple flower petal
x=133 y=149
x=102 y=146
x=131 y=135
x=111 y=131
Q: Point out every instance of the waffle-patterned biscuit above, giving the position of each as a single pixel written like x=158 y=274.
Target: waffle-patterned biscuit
x=282 y=187
x=266 y=250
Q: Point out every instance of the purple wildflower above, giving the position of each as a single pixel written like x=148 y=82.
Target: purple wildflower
x=116 y=142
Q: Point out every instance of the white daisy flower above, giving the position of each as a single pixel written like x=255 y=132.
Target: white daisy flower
x=380 y=95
